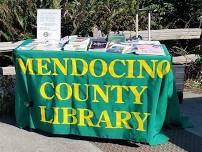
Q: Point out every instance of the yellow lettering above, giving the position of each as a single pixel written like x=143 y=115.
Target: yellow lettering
x=29 y=65
x=43 y=115
x=75 y=67
x=58 y=65
x=97 y=89
x=55 y=116
x=137 y=94
x=111 y=68
x=160 y=70
x=143 y=64
x=43 y=93
x=66 y=116
x=42 y=66
x=58 y=91
x=84 y=117
x=140 y=121
x=120 y=120
x=130 y=69
x=119 y=93
x=104 y=118
x=92 y=67
x=77 y=91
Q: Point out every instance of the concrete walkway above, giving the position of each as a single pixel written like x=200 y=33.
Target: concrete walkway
x=13 y=139
x=192 y=107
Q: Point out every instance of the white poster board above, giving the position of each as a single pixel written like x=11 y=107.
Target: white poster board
x=49 y=24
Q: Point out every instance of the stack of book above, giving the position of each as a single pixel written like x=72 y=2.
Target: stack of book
x=137 y=47
x=77 y=44
x=149 y=48
x=98 y=45
x=42 y=45
x=119 y=48
x=113 y=45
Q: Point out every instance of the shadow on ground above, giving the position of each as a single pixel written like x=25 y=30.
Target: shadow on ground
x=8 y=120
x=180 y=139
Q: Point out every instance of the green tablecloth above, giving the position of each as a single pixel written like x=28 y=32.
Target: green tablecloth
x=107 y=95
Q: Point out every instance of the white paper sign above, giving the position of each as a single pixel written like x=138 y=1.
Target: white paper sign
x=48 y=24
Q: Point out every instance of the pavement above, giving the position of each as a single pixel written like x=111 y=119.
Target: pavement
x=13 y=139
x=192 y=107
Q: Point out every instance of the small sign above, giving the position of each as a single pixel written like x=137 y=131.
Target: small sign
x=49 y=24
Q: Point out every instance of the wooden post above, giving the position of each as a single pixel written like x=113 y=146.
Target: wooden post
x=201 y=36
x=136 y=25
x=201 y=31
x=149 y=26
x=137 y=20
x=201 y=43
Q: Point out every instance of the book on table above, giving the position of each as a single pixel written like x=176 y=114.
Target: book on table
x=77 y=44
x=98 y=45
x=145 y=47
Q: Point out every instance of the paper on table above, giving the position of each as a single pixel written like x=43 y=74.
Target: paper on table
x=149 y=49
x=77 y=44
x=49 y=24
x=119 y=48
x=42 y=45
x=145 y=47
x=98 y=45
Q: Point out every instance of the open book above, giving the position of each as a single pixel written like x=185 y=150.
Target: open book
x=145 y=47
x=42 y=45
x=77 y=44
x=119 y=48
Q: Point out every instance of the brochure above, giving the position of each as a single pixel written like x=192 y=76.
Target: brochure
x=145 y=47
x=77 y=44
x=42 y=45
x=119 y=48
x=63 y=41
x=98 y=45
x=149 y=49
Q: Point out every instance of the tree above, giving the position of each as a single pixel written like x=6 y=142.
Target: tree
x=18 y=17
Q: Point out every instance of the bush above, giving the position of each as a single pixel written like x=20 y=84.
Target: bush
x=7 y=95
x=18 y=17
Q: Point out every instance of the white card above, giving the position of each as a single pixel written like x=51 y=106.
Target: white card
x=49 y=24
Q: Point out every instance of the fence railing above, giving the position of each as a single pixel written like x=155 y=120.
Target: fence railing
x=9 y=46
x=167 y=34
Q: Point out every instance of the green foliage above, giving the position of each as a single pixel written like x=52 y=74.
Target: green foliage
x=7 y=95
x=18 y=17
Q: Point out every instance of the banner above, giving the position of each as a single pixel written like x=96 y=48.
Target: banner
x=95 y=94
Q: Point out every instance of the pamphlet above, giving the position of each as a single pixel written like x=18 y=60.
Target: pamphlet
x=149 y=49
x=145 y=47
x=41 y=45
x=63 y=41
x=77 y=44
x=119 y=48
x=49 y=24
x=98 y=45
